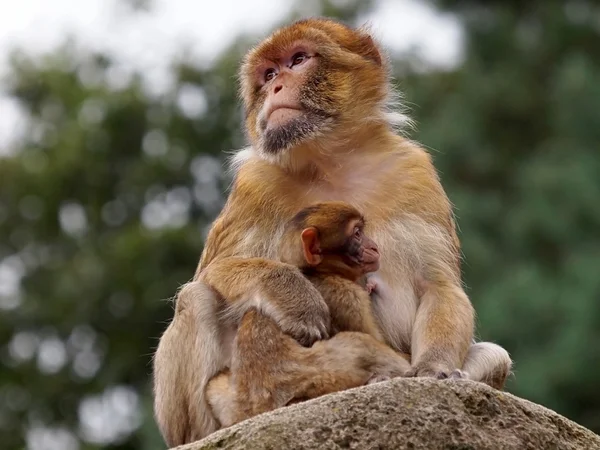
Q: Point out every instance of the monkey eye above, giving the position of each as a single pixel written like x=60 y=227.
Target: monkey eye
x=299 y=58
x=357 y=232
x=270 y=73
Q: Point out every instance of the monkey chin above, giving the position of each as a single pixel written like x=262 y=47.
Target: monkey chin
x=298 y=129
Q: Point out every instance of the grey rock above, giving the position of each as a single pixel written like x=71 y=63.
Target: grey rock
x=407 y=414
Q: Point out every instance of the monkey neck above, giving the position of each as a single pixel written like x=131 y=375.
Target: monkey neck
x=326 y=271
x=330 y=159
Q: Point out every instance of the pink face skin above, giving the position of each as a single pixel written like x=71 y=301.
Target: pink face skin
x=281 y=79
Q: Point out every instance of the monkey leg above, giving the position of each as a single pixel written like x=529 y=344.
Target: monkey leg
x=270 y=369
x=222 y=398
x=268 y=366
x=442 y=332
x=189 y=354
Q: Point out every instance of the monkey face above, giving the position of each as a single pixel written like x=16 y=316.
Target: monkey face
x=360 y=252
x=289 y=110
x=315 y=78
x=333 y=240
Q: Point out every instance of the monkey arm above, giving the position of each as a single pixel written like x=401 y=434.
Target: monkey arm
x=278 y=290
x=444 y=322
x=442 y=332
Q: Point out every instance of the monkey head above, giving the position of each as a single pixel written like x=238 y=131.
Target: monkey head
x=332 y=240
x=314 y=78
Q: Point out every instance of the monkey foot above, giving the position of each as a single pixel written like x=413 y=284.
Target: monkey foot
x=458 y=374
x=378 y=379
x=455 y=374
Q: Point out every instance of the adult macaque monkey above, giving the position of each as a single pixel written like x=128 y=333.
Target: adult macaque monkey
x=316 y=95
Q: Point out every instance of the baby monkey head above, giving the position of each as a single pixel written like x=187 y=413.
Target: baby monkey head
x=329 y=238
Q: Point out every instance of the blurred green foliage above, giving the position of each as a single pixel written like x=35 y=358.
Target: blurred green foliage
x=105 y=201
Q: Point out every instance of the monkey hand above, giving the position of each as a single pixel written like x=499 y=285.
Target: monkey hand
x=309 y=331
x=433 y=371
x=371 y=286
x=306 y=323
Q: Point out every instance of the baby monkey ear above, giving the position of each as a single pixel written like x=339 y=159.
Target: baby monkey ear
x=311 y=246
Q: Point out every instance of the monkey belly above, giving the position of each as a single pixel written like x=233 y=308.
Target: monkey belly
x=395 y=310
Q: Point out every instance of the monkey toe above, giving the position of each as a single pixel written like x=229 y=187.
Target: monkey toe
x=429 y=372
x=378 y=379
x=458 y=374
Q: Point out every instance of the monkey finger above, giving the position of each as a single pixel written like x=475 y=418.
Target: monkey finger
x=307 y=336
x=371 y=286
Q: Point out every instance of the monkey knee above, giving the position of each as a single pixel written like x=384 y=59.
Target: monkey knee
x=500 y=360
x=196 y=293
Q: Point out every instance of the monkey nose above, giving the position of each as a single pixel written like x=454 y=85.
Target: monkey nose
x=277 y=88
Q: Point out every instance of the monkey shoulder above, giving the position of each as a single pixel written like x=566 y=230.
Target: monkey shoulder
x=410 y=185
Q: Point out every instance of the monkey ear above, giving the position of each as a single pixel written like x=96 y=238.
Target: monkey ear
x=366 y=46
x=311 y=246
x=369 y=50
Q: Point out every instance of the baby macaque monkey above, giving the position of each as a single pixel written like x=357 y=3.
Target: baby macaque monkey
x=327 y=242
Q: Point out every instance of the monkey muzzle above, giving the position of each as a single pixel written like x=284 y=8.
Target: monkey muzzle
x=370 y=259
x=365 y=255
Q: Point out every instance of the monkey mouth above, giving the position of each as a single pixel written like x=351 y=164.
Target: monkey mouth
x=370 y=260
x=275 y=108
x=281 y=116
x=371 y=267
x=264 y=118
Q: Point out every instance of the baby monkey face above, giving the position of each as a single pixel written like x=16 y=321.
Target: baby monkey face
x=333 y=240
x=359 y=250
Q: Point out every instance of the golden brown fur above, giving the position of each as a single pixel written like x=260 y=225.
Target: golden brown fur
x=319 y=241
x=268 y=368
x=346 y=150
x=279 y=371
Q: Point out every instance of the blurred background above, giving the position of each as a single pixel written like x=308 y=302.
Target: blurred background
x=115 y=117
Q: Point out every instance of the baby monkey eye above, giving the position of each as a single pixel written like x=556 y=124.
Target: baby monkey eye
x=357 y=232
x=299 y=58
x=270 y=74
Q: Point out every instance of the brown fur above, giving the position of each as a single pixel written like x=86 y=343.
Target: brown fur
x=278 y=371
x=335 y=277
x=355 y=156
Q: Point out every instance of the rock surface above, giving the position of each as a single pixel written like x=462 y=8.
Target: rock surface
x=407 y=414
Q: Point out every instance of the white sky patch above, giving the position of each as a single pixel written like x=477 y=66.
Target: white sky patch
x=414 y=26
